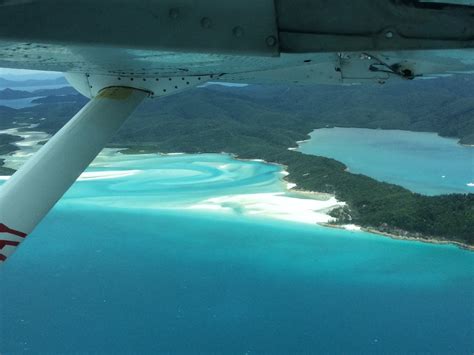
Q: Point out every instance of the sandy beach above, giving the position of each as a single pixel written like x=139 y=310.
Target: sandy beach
x=294 y=205
x=273 y=205
x=101 y=175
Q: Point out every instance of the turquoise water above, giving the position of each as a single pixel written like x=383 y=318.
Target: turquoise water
x=421 y=162
x=143 y=273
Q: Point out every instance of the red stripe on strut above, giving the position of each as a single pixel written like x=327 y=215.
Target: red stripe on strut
x=5 y=229
x=3 y=243
x=3 y=257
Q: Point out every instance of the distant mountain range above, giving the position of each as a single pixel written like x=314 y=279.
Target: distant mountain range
x=11 y=94
x=6 y=83
x=443 y=105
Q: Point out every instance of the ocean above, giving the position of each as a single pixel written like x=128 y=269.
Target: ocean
x=422 y=162
x=192 y=254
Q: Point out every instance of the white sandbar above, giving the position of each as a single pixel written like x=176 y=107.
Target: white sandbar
x=273 y=205
x=100 y=175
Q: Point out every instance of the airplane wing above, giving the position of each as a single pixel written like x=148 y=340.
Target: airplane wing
x=117 y=52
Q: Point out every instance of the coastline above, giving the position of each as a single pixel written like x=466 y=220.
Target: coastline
x=429 y=240
x=281 y=203
x=356 y=228
x=291 y=188
x=291 y=204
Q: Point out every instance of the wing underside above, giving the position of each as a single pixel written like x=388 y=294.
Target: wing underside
x=169 y=38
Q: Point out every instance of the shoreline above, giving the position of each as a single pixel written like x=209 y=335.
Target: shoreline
x=356 y=228
x=458 y=140
x=282 y=203
x=429 y=240
x=291 y=188
x=289 y=193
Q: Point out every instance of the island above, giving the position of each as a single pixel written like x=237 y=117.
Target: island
x=262 y=122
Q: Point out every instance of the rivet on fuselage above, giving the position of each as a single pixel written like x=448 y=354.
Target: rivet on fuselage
x=174 y=14
x=206 y=22
x=271 y=41
x=238 y=31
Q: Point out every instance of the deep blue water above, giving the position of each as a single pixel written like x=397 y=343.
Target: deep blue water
x=129 y=276
x=422 y=162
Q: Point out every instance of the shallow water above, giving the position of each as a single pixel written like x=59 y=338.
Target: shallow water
x=422 y=162
x=120 y=266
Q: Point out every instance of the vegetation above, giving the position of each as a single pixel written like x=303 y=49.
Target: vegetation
x=5 y=171
x=6 y=143
x=262 y=122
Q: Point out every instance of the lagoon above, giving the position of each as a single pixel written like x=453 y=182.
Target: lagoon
x=421 y=162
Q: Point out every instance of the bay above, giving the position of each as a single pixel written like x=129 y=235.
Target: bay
x=126 y=263
x=421 y=162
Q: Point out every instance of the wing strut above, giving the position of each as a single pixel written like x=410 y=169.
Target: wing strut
x=35 y=188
